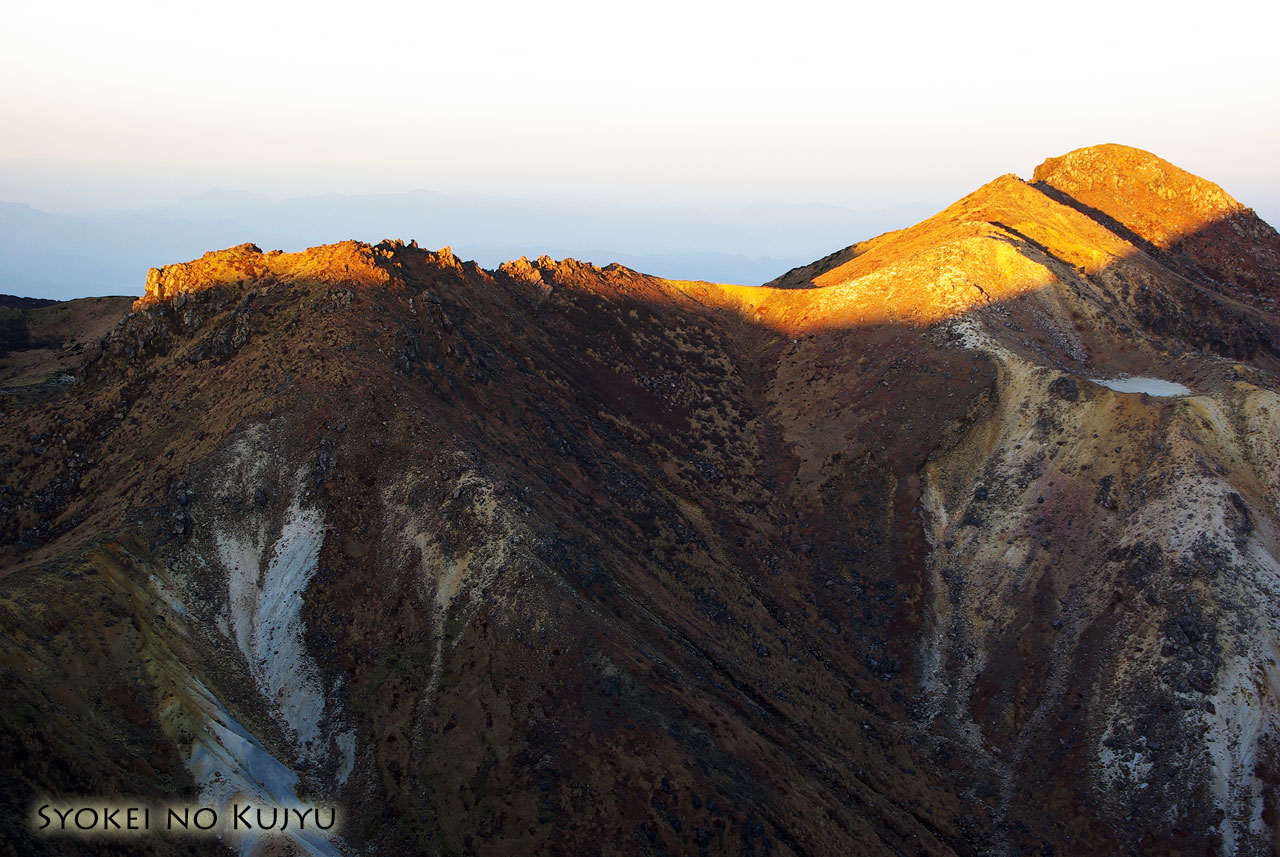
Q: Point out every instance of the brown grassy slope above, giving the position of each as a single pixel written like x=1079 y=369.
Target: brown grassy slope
x=59 y=331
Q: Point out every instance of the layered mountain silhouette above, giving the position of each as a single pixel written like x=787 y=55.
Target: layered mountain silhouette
x=961 y=540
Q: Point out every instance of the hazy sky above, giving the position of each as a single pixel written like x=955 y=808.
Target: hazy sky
x=862 y=105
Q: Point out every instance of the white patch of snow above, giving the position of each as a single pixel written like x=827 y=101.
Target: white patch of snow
x=972 y=336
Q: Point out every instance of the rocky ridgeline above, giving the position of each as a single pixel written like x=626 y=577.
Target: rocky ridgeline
x=247 y=265
x=348 y=262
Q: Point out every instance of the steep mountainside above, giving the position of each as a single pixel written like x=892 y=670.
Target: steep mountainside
x=41 y=340
x=569 y=560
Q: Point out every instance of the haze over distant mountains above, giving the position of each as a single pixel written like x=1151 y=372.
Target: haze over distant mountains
x=65 y=255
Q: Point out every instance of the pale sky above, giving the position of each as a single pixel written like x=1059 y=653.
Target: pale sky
x=108 y=104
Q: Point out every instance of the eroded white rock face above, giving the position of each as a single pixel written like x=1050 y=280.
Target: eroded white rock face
x=455 y=582
x=266 y=582
x=265 y=587
x=1244 y=720
x=266 y=554
x=1202 y=505
x=260 y=544
x=230 y=765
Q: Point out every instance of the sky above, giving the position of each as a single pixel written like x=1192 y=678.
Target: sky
x=130 y=104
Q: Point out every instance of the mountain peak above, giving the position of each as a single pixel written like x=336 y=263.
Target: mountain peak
x=1159 y=202
x=1201 y=228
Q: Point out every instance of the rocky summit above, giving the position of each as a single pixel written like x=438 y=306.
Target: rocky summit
x=961 y=540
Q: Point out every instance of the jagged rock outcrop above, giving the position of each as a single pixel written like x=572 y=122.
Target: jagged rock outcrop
x=962 y=540
x=246 y=265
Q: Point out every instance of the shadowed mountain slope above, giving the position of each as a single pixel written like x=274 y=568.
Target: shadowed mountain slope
x=573 y=560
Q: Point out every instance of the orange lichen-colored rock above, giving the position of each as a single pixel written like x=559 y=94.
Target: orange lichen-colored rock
x=217 y=267
x=349 y=261
x=1003 y=240
x=1087 y=209
x=1198 y=223
x=1158 y=201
